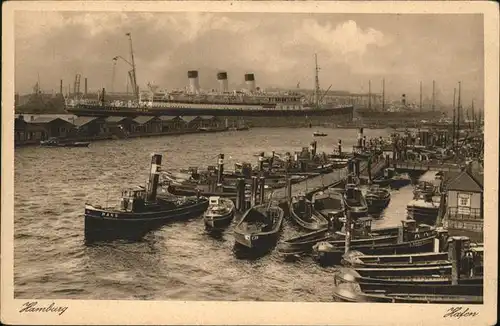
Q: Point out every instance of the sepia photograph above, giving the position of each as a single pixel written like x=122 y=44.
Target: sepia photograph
x=263 y=160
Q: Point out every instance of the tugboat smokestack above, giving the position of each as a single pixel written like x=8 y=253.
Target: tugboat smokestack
x=250 y=82
x=154 y=177
x=222 y=79
x=194 y=84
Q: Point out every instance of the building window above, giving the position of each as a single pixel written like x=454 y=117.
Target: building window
x=464 y=200
x=464 y=203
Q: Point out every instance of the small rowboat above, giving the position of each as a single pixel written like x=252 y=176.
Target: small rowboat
x=219 y=214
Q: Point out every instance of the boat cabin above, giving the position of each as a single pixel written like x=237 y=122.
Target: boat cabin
x=362 y=226
x=389 y=173
x=214 y=201
x=244 y=168
x=133 y=199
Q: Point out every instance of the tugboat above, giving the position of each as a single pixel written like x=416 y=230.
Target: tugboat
x=259 y=228
x=377 y=199
x=303 y=213
x=141 y=211
x=56 y=142
x=355 y=201
x=423 y=209
x=392 y=179
x=219 y=214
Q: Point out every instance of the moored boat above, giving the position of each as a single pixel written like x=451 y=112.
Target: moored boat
x=377 y=199
x=355 y=258
x=354 y=201
x=141 y=211
x=303 y=213
x=423 y=208
x=362 y=233
x=410 y=239
x=259 y=227
x=56 y=142
x=319 y=134
x=352 y=293
x=329 y=203
x=219 y=214
x=425 y=188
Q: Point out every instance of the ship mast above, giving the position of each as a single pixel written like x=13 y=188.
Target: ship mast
x=453 y=130
x=134 y=75
x=433 y=95
x=459 y=109
x=420 y=103
x=316 y=81
x=383 y=94
x=369 y=94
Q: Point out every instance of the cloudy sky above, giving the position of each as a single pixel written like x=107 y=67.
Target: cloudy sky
x=279 y=48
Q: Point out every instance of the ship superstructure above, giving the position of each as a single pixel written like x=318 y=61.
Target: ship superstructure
x=193 y=100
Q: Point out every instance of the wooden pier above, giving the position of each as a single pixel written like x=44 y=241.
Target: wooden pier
x=425 y=166
x=322 y=182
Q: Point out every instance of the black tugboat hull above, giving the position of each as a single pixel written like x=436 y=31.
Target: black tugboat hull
x=399 y=183
x=377 y=205
x=219 y=222
x=423 y=215
x=258 y=240
x=255 y=242
x=109 y=225
x=319 y=223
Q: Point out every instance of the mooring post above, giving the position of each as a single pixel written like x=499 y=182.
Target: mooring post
x=220 y=170
x=339 y=144
x=253 y=197
x=369 y=166
x=454 y=255
x=240 y=194
x=348 y=230
x=262 y=185
x=289 y=189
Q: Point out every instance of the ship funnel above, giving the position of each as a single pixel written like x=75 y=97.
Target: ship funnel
x=250 y=82
x=222 y=79
x=194 y=84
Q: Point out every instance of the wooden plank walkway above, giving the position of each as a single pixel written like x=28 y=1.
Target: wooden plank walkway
x=425 y=166
x=324 y=181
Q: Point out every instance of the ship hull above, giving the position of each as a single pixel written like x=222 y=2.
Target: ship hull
x=106 y=111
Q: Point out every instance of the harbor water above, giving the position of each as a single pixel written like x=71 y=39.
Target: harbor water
x=179 y=261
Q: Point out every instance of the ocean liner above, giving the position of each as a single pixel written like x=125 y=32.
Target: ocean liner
x=193 y=101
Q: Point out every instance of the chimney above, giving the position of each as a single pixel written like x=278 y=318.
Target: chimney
x=250 y=82
x=61 y=86
x=194 y=84
x=85 y=86
x=222 y=79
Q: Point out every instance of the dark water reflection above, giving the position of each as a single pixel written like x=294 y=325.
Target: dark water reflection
x=178 y=261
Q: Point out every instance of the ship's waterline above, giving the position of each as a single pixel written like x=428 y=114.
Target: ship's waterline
x=180 y=261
